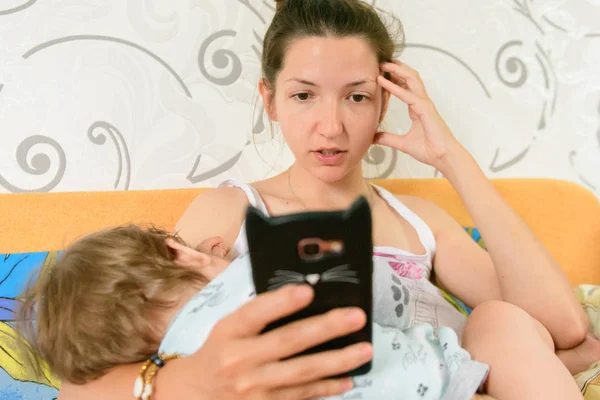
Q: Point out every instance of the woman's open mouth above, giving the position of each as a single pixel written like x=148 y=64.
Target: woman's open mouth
x=329 y=157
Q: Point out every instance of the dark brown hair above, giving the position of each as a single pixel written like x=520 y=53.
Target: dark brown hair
x=295 y=19
x=98 y=306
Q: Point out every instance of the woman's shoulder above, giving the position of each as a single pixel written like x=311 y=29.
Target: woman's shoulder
x=218 y=199
x=433 y=215
x=417 y=204
x=215 y=212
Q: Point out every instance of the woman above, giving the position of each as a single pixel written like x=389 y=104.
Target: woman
x=327 y=78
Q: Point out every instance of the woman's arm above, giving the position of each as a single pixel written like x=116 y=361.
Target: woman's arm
x=216 y=212
x=115 y=385
x=458 y=259
x=237 y=362
x=528 y=276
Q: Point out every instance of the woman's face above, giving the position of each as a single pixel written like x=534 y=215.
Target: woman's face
x=328 y=103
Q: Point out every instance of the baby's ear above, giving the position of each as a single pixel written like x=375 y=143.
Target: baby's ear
x=188 y=257
x=213 y=245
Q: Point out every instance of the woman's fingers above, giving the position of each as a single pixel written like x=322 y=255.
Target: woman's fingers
x=403 y=94
x=250 y=319
x=390 y=140
x=309 y=368
x=418 y=106
x=406 y=74
x=303 y=334
x=254 y=360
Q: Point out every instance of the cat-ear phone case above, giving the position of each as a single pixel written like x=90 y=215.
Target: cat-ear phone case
x=332 y=251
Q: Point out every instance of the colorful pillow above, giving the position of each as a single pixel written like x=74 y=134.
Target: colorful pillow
x=589 y=381
x=16 y=380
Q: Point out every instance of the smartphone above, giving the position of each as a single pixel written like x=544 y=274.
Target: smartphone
x=332 y=251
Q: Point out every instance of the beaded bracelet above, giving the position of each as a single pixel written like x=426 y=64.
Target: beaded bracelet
x=142 y=387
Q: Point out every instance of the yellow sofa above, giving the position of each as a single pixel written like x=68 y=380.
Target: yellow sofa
x=565 y=216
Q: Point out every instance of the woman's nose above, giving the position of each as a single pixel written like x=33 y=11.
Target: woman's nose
x=330 y=121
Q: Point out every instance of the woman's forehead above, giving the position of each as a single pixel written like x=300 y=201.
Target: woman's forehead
x=330 y=60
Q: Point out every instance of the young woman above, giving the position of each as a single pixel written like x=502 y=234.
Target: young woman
x=328 y=73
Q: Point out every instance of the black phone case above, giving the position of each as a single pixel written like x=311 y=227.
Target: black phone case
x=339 y=279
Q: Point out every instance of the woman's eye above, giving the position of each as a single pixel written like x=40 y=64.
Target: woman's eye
x=302 y=96
x=358 y=98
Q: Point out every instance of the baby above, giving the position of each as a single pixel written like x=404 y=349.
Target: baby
x=115 y=295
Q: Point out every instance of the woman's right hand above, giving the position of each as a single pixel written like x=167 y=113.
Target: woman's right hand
x=238 y=362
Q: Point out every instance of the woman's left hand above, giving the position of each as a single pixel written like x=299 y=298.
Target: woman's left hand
x=429 y=140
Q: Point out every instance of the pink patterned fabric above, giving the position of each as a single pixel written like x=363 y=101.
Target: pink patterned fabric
x=405 y=267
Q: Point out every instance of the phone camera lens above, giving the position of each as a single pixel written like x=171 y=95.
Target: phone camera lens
x=311 y=249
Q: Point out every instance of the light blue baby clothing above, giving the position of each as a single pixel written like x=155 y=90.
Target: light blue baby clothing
x=413 y=363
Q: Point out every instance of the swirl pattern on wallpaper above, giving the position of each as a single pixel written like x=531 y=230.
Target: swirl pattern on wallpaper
x=66 y=39
x=16 y=9
x=222 y=59
x=97 y=134
x=39 y=163
x=213 y=48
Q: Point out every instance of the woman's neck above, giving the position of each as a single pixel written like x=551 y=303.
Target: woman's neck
x=314 y=193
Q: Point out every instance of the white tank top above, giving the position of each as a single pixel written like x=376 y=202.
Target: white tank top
x=403 y=285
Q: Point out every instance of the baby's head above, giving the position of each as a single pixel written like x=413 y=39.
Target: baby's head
x=109 y=298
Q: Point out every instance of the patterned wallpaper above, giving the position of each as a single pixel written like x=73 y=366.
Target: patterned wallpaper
x=148 y=94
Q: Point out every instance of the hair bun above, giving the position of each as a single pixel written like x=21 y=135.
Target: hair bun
x=279 y=4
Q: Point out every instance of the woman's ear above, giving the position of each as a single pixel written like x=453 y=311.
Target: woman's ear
x=385 y=101
x=268 y=97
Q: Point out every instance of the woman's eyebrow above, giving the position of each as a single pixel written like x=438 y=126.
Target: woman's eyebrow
x=358 y=83
x=303 y=81
x=348 y=85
